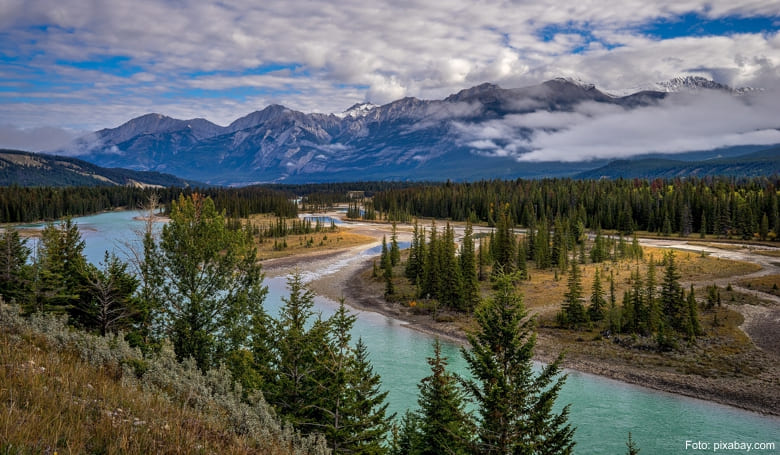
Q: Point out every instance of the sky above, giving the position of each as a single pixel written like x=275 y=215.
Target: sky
x=72 y=66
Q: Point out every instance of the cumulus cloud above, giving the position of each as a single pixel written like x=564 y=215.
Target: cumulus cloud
x=680 y=123
x=161 y=56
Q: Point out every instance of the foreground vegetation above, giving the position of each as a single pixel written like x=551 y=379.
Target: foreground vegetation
x=195 y=332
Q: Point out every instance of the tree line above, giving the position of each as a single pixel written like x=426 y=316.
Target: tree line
x=719 y=206
x=28 y=204
x=198 y=284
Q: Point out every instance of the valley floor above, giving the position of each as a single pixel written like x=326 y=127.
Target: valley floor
x=740 y=368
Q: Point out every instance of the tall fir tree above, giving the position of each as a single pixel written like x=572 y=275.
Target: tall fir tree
x=514 y=403
x=503 y=243
x=468 y=267
x=395 y=250
x=573 y=309
x=15 y=273
x=445 y=426
x=598 y=304
x=672 y=300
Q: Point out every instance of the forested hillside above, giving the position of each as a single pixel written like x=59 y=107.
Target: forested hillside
x=36 y=169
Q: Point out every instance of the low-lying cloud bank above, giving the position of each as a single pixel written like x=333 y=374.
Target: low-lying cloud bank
x=681 y=123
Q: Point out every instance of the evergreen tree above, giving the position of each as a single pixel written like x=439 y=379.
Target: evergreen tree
x=615 y=317
x=763 y=229
x=413 y=269
x=395 y=251
x=14 y=270
x=445 y=427
x=368 y=422
x=292 y=386
x=407 y=439
x=631 y=445
x=503 y=243
x=573 y=309
x=213 y=282
x=703 y=227
x=387 y=269
x=59 y=268
x=598 y=304
x=542 y=246
x=432 y=270
x=651 y=300
x=672 y=302
x=349 y=407
x=514 y=404
x=468 y=267
x=694 y=326
x=451 y=293
x=108 y=303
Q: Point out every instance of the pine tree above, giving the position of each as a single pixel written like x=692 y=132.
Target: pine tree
x=395 y=251
x=445 y=427
x=672 y=302
x=514 y=404
x=451 y=293
x=59 y=268
x=468 y=267
x=651 y=300
x=387 y=269
x=573 y=309
x=108 y=303
x=694 y=326
x=368 y=422
x=615 y=317
x=349 y=407
x=763 y=229
x=292 y=386
x=14 y=270
x=503 y=244
x=598 y=304
x=631 y=445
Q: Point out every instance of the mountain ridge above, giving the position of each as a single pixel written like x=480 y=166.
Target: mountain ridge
x=409 y=138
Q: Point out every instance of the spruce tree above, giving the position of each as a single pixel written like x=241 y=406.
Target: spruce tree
x=387 y=269
x=573 y=309
x=395 y=251
x=598 y=304
x=514 y=403
x=14 y=270
x=631 y=445
x=673 y=302
x=292 y=386
x=651 y=299
x=59 y=268
x=451 y=293
x=503 y=243
x=694 y=326
x=445 y=427
x=468 y=270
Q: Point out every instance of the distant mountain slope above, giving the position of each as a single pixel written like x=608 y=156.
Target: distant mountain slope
x=407 y=139
x=34 y=169
x=764 y=162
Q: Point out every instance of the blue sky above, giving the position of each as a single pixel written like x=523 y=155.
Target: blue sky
x=70 y=66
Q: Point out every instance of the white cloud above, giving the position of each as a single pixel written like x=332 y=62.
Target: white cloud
x=681 y=123
x=34 y=139
x=334 y=56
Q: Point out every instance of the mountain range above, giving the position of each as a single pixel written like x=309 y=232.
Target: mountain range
x=407 y=139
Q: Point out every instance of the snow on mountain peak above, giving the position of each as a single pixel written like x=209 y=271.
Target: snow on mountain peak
x=357 y=110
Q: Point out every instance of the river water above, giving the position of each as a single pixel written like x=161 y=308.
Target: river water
x=603 y=410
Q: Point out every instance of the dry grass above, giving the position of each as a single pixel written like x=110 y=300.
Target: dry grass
x=310 y=243
x=769 y=284
x=55 y=403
